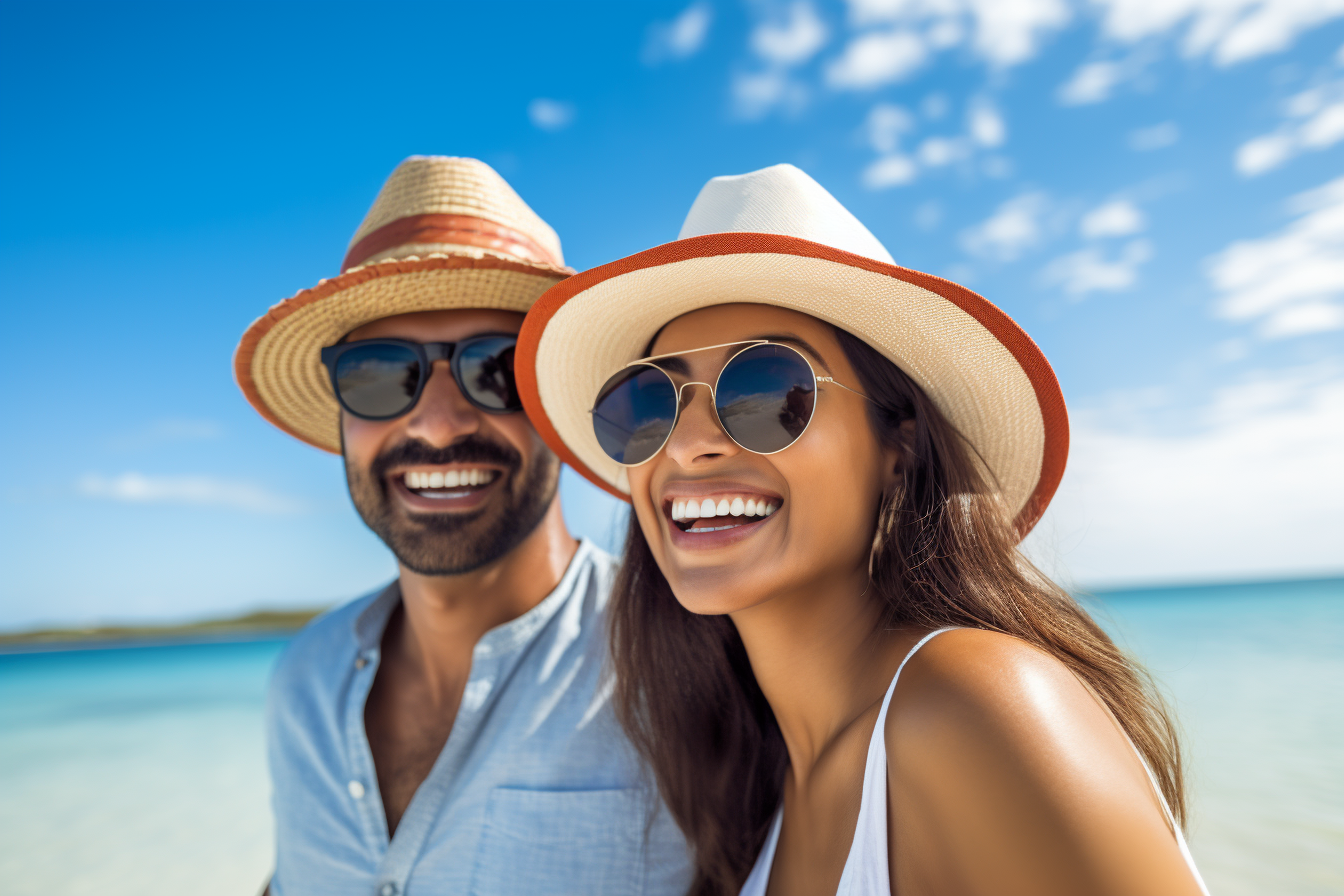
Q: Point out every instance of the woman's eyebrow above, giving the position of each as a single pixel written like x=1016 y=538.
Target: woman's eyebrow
x=673 y=364
x=799 y=342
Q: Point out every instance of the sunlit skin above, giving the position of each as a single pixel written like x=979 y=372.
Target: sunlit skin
x=1005 y=775
x=427 y=647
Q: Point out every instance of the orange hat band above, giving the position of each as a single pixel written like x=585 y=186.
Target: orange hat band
x=457 y=230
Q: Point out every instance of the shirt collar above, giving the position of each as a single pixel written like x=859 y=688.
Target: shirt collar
x=372 y=620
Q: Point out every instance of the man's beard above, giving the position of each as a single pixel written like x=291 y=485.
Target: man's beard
x=445 y=544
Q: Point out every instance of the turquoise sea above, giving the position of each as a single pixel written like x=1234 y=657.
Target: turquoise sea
x=140 y=770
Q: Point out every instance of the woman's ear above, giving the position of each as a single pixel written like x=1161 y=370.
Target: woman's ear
x=894 y=457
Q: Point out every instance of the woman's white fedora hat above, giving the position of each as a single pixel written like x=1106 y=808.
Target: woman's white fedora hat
x=444 y=233
x=776 y=237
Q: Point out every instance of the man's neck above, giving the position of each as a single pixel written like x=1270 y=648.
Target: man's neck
x=444 y=616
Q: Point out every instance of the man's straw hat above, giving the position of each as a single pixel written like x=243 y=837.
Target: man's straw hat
x=777 y=237
x=443 y=233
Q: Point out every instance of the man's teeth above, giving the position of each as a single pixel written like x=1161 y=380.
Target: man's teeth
x=691 y=509
x=449 y=479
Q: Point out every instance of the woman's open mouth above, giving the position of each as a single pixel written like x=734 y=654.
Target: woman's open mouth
x=718 y=513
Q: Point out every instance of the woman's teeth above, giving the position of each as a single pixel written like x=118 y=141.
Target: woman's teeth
x=691 y=509
x=418 y=481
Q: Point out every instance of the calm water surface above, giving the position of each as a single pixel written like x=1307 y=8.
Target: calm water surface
x=141 y=770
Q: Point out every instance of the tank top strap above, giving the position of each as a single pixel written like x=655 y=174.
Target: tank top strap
x=867 y=872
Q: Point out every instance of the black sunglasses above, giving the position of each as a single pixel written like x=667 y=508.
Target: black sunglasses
x=764 y=398
x=381 y=379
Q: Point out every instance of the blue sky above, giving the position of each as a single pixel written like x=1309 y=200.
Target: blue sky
x=1150 y=187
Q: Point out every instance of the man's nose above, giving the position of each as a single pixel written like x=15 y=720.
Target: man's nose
x=442 y=415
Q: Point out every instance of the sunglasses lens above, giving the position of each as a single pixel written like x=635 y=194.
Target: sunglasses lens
x=486 y=368
x=765 y=397
x=378 y=381
x=634 y=414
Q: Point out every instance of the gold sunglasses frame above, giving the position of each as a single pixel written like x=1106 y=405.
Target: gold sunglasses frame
x=747 y=345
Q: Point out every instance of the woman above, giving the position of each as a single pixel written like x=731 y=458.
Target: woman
x=831 y=460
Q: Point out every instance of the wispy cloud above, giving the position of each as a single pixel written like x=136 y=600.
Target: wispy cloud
x=1229 y=31
x=164 y=431
x=1095 y=270
x=784 y=40
x=1313 y=120
x=1001 y=32
x=1016 y=226
x=1291 y=281
x=1250 y=485
x=877 y=58
x=550 y=115
x=1158 y=136
x=887 y=124
x=200 y=491
x=1119 y=217
x=791 y=39
x=680 y=38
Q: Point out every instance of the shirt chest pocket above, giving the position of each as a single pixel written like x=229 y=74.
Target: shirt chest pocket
x=559 y=842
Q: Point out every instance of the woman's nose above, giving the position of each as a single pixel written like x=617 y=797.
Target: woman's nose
x=698 y=437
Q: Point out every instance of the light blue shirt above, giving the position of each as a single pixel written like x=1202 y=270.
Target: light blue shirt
x=537 y=790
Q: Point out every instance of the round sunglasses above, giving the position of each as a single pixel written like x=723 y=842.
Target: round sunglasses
x=764 y=399
x=381 y=379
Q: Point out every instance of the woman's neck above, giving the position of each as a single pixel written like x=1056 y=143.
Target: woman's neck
x=821 y=657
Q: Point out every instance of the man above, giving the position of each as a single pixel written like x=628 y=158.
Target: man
x=450 y=733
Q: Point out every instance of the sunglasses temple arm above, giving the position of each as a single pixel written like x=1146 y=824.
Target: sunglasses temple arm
x=827 y=379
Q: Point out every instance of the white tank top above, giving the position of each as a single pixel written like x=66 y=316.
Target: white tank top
x=866 y=871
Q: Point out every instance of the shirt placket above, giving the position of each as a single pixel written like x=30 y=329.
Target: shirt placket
x=362 y=778
x=428 y=805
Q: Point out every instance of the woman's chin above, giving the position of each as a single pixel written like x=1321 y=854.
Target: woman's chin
x=715 y=594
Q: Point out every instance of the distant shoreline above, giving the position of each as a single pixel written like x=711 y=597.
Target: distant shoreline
x=250 y=626
x=284 y=623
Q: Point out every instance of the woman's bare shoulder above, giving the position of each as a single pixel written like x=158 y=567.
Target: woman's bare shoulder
x=1007 y=754
x=993 y=691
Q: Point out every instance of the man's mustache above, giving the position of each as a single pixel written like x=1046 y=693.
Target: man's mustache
x=472 y=449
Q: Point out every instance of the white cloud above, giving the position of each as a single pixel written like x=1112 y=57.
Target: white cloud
x=757 y=93
x=1313 y=120
x=1230 y=31
x=1010 y=31
x=550 y=115
x=1005 y=32
x=890 y=171
x=1091 y=83
x=877 y=58
x=791 y=40
x=1292 y=280
x=1016 y=226
x=1090 y=270
x=202 y=491
x=680 y=38
x=1159 y=136
x=936 y=152
x=986 y=125
x=884 y=126
x=1119 y=217
x=167 y=430
x=1253 y=488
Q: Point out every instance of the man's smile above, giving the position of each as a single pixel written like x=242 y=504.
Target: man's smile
x=444 y=488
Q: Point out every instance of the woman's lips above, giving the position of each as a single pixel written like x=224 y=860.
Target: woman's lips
x=717 y=519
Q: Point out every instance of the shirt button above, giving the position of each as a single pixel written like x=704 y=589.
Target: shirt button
x=361 y=662
x=388 y=889
x=356 y=790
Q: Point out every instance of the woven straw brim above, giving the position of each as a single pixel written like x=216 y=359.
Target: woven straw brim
x=278 y=363
x=981 y=370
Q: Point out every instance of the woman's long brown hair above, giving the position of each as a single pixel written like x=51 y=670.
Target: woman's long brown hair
x=945 y=554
